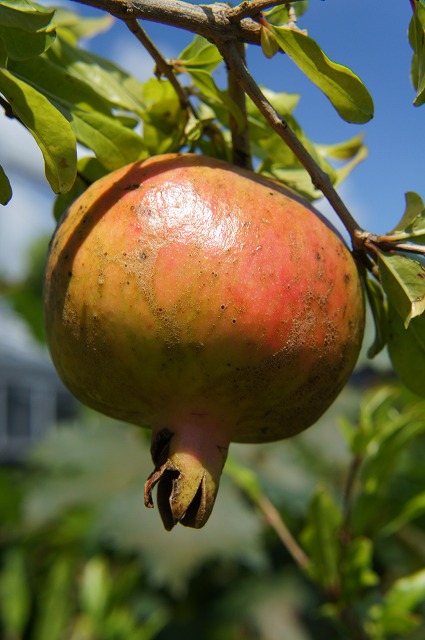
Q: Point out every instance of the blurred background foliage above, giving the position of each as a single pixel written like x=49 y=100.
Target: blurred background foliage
x=81 y=557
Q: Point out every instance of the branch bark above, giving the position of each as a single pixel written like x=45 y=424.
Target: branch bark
x=210 y=21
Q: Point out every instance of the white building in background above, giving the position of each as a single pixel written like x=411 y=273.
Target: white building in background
x=33 y=400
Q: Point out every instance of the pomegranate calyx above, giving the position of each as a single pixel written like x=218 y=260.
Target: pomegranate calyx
x=187 y=478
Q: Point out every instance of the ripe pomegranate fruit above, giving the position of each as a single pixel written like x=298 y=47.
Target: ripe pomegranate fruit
x=207 y=303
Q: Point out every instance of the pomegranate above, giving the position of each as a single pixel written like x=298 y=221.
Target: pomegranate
x=207 y=303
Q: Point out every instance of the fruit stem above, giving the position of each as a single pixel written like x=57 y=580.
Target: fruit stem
x=188 y=466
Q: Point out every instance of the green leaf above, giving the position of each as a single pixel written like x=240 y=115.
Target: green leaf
x=344 y=89
x=54 y=606
x=58 y=85
x=414 y=508
x=417 y=42
x=75 y=26
x=413 y=220
x=356 y=568
x=96 y=583
x=15 y=600
x=164 y=121
x=200 y=54
x=342 y=150
x=396 y=615
x=50 y=129
x=26 y=15
x=113 y=144
x=20 y=44
x=321 y=539
x=205 y=83
x=5 y=188
x=406 y=348
x=26 y=30
x=269 y=44
x=403 y=280
x=378 y=308
x=279 y=14
x=245 y=479
x=109 y=81
x=89 y=170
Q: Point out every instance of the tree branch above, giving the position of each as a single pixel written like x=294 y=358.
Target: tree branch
x=320 y=179
x=210 y=21
x=240 y=135
x=164 y=68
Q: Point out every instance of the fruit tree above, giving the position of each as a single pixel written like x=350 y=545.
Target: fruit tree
x=191 y=287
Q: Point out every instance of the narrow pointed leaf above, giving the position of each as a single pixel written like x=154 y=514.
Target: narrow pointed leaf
x=5 y=188
x=344 y=89
x=417 y=42
x=50 y=129
x=320 y=539
x=379 y=312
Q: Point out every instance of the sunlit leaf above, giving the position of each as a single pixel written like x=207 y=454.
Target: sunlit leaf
x=200 y=54
x=113 y=144
x=164 y=121
x=407 y=350
x=5 y=188
x=26 y=29
x=205 y=83
x=344 y=89
x=81 y=26
x=58 y=85
x=50 y=129
x=268 y=42
x=342 y=150
x=108 y=80
x=403 y=280
x=413 y=220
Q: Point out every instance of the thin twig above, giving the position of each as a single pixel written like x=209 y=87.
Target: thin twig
x=320 y=179
x=273 y=518
x=162 y=65
x=240 y=133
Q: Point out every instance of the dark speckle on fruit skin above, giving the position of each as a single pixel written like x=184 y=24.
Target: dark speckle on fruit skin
x=132 y=187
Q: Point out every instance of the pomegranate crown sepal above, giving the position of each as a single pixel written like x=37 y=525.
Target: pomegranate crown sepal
x=188 y=467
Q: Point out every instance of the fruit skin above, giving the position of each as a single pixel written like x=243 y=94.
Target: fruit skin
x=190 y=296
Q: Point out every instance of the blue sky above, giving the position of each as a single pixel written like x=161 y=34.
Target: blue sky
x=369 y=36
